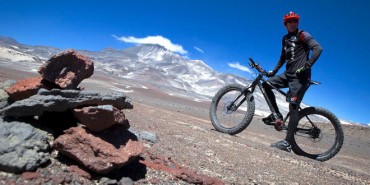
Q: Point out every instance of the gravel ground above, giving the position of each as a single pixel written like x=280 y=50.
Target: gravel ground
x=246 y=158
x=185 y=135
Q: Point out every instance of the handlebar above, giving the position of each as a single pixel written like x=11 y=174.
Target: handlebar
x=255 y=65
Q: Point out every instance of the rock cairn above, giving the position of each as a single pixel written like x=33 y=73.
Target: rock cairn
x=90 y=127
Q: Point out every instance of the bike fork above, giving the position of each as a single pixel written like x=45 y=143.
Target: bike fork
x=232 y=105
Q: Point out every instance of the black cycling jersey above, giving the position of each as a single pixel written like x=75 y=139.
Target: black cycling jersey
x=295 y=51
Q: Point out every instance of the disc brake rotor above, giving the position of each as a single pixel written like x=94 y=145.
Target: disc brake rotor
x=316 y=134
x=228 y=109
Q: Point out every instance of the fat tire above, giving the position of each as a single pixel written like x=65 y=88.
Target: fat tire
x=338 y=142
x=247 y=118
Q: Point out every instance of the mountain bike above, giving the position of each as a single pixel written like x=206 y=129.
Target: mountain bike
x=319 y=134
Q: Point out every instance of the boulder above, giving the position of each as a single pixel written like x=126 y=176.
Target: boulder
x=67 y=69
x=98 y=118
x=3 y=95
x=145 y=135
x=22 y=147
x=25 y=88
x=100 y=152
x=3 y=99
x=57 y=100
x=7 y=83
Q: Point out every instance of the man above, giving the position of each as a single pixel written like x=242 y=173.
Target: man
x=296 y=47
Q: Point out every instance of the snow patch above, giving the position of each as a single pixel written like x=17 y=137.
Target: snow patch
x=14 y=55
x=129 y=75
x=345 y=122
x=121 y=90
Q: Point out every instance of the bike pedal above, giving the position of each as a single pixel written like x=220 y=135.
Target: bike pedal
x=279 y=125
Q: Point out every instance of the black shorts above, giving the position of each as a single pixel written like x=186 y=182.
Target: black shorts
x=297 y=86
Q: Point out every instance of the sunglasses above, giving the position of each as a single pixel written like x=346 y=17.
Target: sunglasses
x=291 y=21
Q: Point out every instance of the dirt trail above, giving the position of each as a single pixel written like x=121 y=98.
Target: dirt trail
x=246 y=157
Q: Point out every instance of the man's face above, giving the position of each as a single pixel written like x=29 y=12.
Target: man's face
x=291 y=25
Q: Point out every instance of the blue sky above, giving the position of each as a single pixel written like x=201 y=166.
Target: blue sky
x=223 y=33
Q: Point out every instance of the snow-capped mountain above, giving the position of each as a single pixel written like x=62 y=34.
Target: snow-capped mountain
x=11 y=50
x=142 y=65
x=161 y=67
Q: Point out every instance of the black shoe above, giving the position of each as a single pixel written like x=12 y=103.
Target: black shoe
x=270 y=120
x=282 y=145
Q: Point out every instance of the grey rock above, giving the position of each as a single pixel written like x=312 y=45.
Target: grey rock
x=57 y=100
x=6 y=84
x=3 y=99
x=3 y=95
x=144 y=135
x=22 y=147
x=126 y=181
x=107 y=181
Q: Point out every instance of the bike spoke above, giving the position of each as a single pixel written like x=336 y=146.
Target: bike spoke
x=315 y=135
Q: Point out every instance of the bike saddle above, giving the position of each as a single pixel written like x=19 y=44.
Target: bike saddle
x=315 y=82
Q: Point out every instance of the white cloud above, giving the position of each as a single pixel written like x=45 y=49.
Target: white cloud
x=154 y=40
x=198 y=49
x=237 y=65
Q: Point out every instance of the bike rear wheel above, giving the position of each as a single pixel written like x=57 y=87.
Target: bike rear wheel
x=319 y=134
x=232 y=110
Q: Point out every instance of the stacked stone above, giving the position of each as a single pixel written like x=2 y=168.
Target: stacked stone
x=95 y=130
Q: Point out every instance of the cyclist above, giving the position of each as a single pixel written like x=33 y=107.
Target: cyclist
x=296 y=47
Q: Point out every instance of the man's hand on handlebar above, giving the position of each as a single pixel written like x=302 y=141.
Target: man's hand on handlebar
x=253 y=64
x=270 y=74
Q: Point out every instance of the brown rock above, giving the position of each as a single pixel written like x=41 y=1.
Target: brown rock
x=24 y=89
x=180 y=172
x=80 y=172
x=98 y=118
x=100 y=152
x=67 y=69
x=30 y=175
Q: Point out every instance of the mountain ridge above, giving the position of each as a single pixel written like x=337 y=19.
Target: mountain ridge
x=146 y=64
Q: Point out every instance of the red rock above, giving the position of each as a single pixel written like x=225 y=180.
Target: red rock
x=24 y=88
x=80 y=172
x=30 y=176
x=99 y=152
x=98 y=118
x=67 y=69
x=180 y=172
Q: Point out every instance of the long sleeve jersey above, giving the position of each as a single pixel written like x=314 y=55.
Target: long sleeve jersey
x=295 y=51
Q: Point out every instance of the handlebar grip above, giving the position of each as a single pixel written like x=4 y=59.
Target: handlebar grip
x=252 y=61
x=258 y=67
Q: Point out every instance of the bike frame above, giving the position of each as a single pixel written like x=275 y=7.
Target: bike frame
x=257 y=82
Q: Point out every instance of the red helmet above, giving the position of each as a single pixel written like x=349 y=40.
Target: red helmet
x=291 y=16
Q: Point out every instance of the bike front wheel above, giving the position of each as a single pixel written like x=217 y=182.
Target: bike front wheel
x=319 y=134
x=232 y=109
